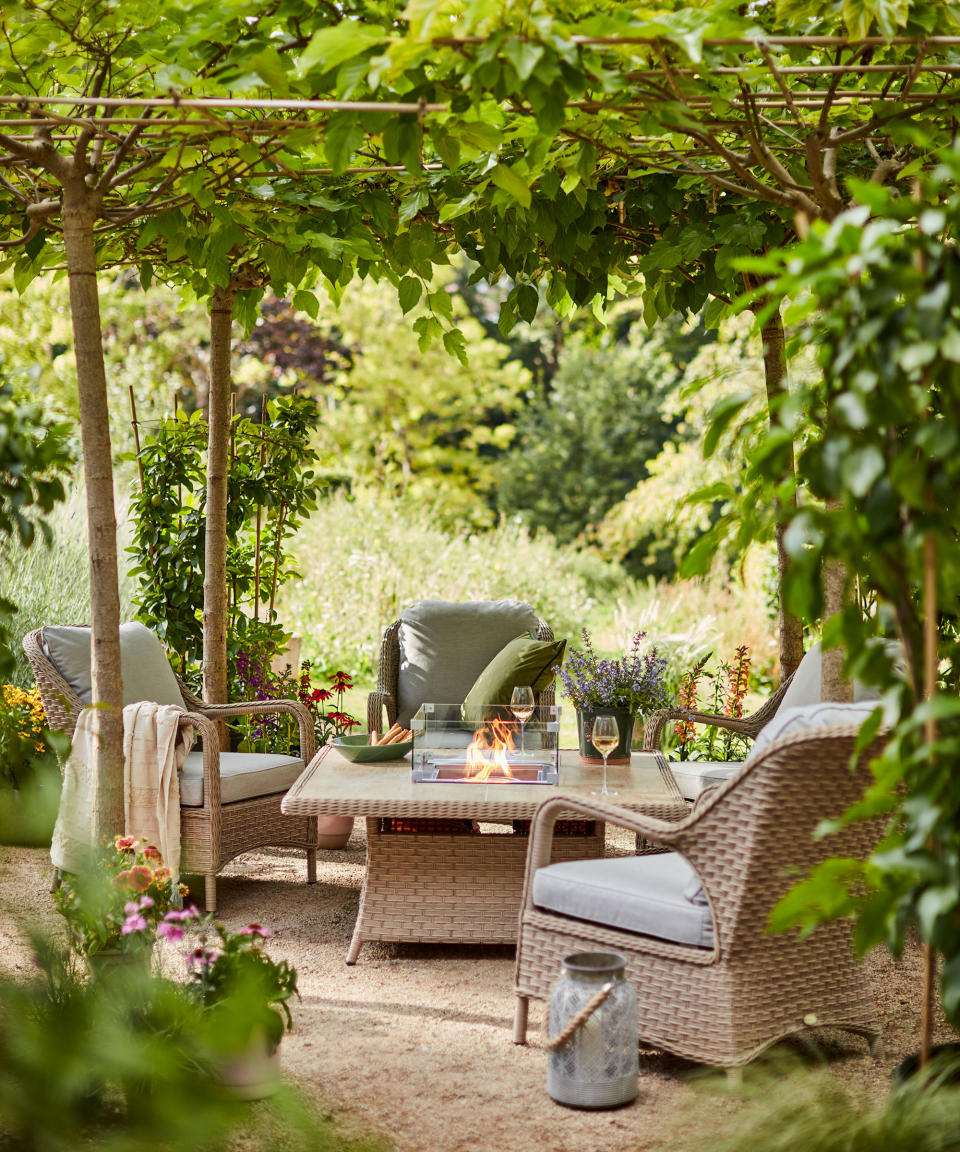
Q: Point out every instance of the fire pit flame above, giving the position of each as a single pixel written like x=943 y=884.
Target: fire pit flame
x=487 y=753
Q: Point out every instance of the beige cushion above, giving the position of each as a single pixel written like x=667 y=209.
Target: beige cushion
x=796 y=721
x=144 y=666
x=804 y=688
x=445 y=646
x=243 y=775
x=656 y=895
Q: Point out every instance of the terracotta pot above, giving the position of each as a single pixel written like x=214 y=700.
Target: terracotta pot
x=253 y=1073
x=620 y=754
x=333 y=831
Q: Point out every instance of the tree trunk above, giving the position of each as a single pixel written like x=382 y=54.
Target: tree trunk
x=836 y=596
x=218 y=452
x=79 y=214
x=775 y=372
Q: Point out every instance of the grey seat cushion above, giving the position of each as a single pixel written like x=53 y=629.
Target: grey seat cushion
x=695 y=776
x=144 y=666
x=445 y=646
x=657 y=895
x=242 y=775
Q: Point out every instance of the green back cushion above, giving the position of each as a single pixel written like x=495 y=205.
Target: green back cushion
x=525 y=660
x=445 y=646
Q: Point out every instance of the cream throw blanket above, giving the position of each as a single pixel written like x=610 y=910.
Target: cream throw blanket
x=153 y=753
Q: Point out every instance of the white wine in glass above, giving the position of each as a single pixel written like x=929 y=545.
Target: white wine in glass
x=605 y=736
x=521 y=705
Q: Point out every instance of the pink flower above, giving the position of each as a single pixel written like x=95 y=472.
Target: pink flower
x=255 y=930
x=170 y=931
x=146 y=902
x=125 y=843
x=133 y=923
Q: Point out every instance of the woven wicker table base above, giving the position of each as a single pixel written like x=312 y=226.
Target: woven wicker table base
x=437 y=879
x=463 y=889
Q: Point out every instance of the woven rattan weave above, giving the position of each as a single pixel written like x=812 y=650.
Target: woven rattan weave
x=213 y=833
x=746 y=839
x=461 y=887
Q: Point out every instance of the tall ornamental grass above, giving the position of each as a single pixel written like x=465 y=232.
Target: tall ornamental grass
x=364 y=559
x=51 y=585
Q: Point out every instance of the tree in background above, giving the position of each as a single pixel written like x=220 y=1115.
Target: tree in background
x=585 y=445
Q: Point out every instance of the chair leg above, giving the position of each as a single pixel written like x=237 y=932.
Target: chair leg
x=210 y=891
x=876 y=1046
x=734 y=1078
x=311 y=865
x=520 y=1020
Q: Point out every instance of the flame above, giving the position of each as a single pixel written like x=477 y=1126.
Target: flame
x=487 y=752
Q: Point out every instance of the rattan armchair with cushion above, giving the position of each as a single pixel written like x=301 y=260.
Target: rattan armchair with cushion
x=229 y=801
x=437 y=649
x=714 y=985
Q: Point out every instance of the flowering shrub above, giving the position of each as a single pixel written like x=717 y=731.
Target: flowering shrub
x=120 y=901
x=726 y=689
x=256 y=681
x=633 y=682
x=330 y=724
x=236 y=981
x=23 y=731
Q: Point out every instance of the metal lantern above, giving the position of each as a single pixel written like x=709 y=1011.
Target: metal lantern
x=593 y=1060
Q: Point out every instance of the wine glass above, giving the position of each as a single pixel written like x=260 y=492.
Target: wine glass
x=521 y=705
x=605 y=737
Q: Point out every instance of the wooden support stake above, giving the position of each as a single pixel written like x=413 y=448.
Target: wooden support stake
x=930 y=736
x=276 y=556
x=256 y=554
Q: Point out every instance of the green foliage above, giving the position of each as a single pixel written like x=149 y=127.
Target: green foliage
x=414 y=421
x=114 y=1062
x=880 y=465
x=587 y=443
x=241 y=988
x=793 y=1108
x=271 y=487
x=364 y=558
x=33 y=459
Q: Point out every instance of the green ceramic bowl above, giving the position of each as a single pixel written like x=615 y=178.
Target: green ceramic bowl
x=359 y=750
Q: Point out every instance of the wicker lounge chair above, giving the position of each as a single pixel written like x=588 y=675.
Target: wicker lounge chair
x=448 y=646
x=713 y=985
x=230 y=802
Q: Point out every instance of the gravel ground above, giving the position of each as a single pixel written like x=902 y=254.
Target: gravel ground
x=414 y=1043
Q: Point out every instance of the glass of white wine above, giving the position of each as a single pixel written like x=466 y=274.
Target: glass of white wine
x=521 y=705
x=605 y=736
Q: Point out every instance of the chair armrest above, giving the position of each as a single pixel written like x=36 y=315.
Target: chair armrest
x=308 y=744
x=376 y=702
x=206 y=729
x=747 y=726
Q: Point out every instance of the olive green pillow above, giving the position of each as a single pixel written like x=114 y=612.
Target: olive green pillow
x=525 y=660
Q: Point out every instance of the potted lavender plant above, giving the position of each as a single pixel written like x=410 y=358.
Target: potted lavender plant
x=624 y=688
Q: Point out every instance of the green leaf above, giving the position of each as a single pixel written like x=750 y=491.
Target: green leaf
x=722 y=417
x=409 y=293
x=524 y=55
x=411 y=204
x=307 y=302
x=528 y=302
x=456 y=345
x=331 y=46
x=343 y=137
x=510 y=181
x=862 y=468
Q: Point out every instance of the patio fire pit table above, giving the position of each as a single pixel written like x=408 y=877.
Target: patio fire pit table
x=431 y=874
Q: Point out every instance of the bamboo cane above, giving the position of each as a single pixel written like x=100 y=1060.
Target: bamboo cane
x=276 y=555
x=929 y=735
x=256 y=554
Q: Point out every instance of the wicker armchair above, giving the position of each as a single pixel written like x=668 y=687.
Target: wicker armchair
x=211 y=832
x=725 y=995
x=471 y=658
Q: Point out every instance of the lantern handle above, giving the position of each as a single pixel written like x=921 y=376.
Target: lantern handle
x=581 y=1017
